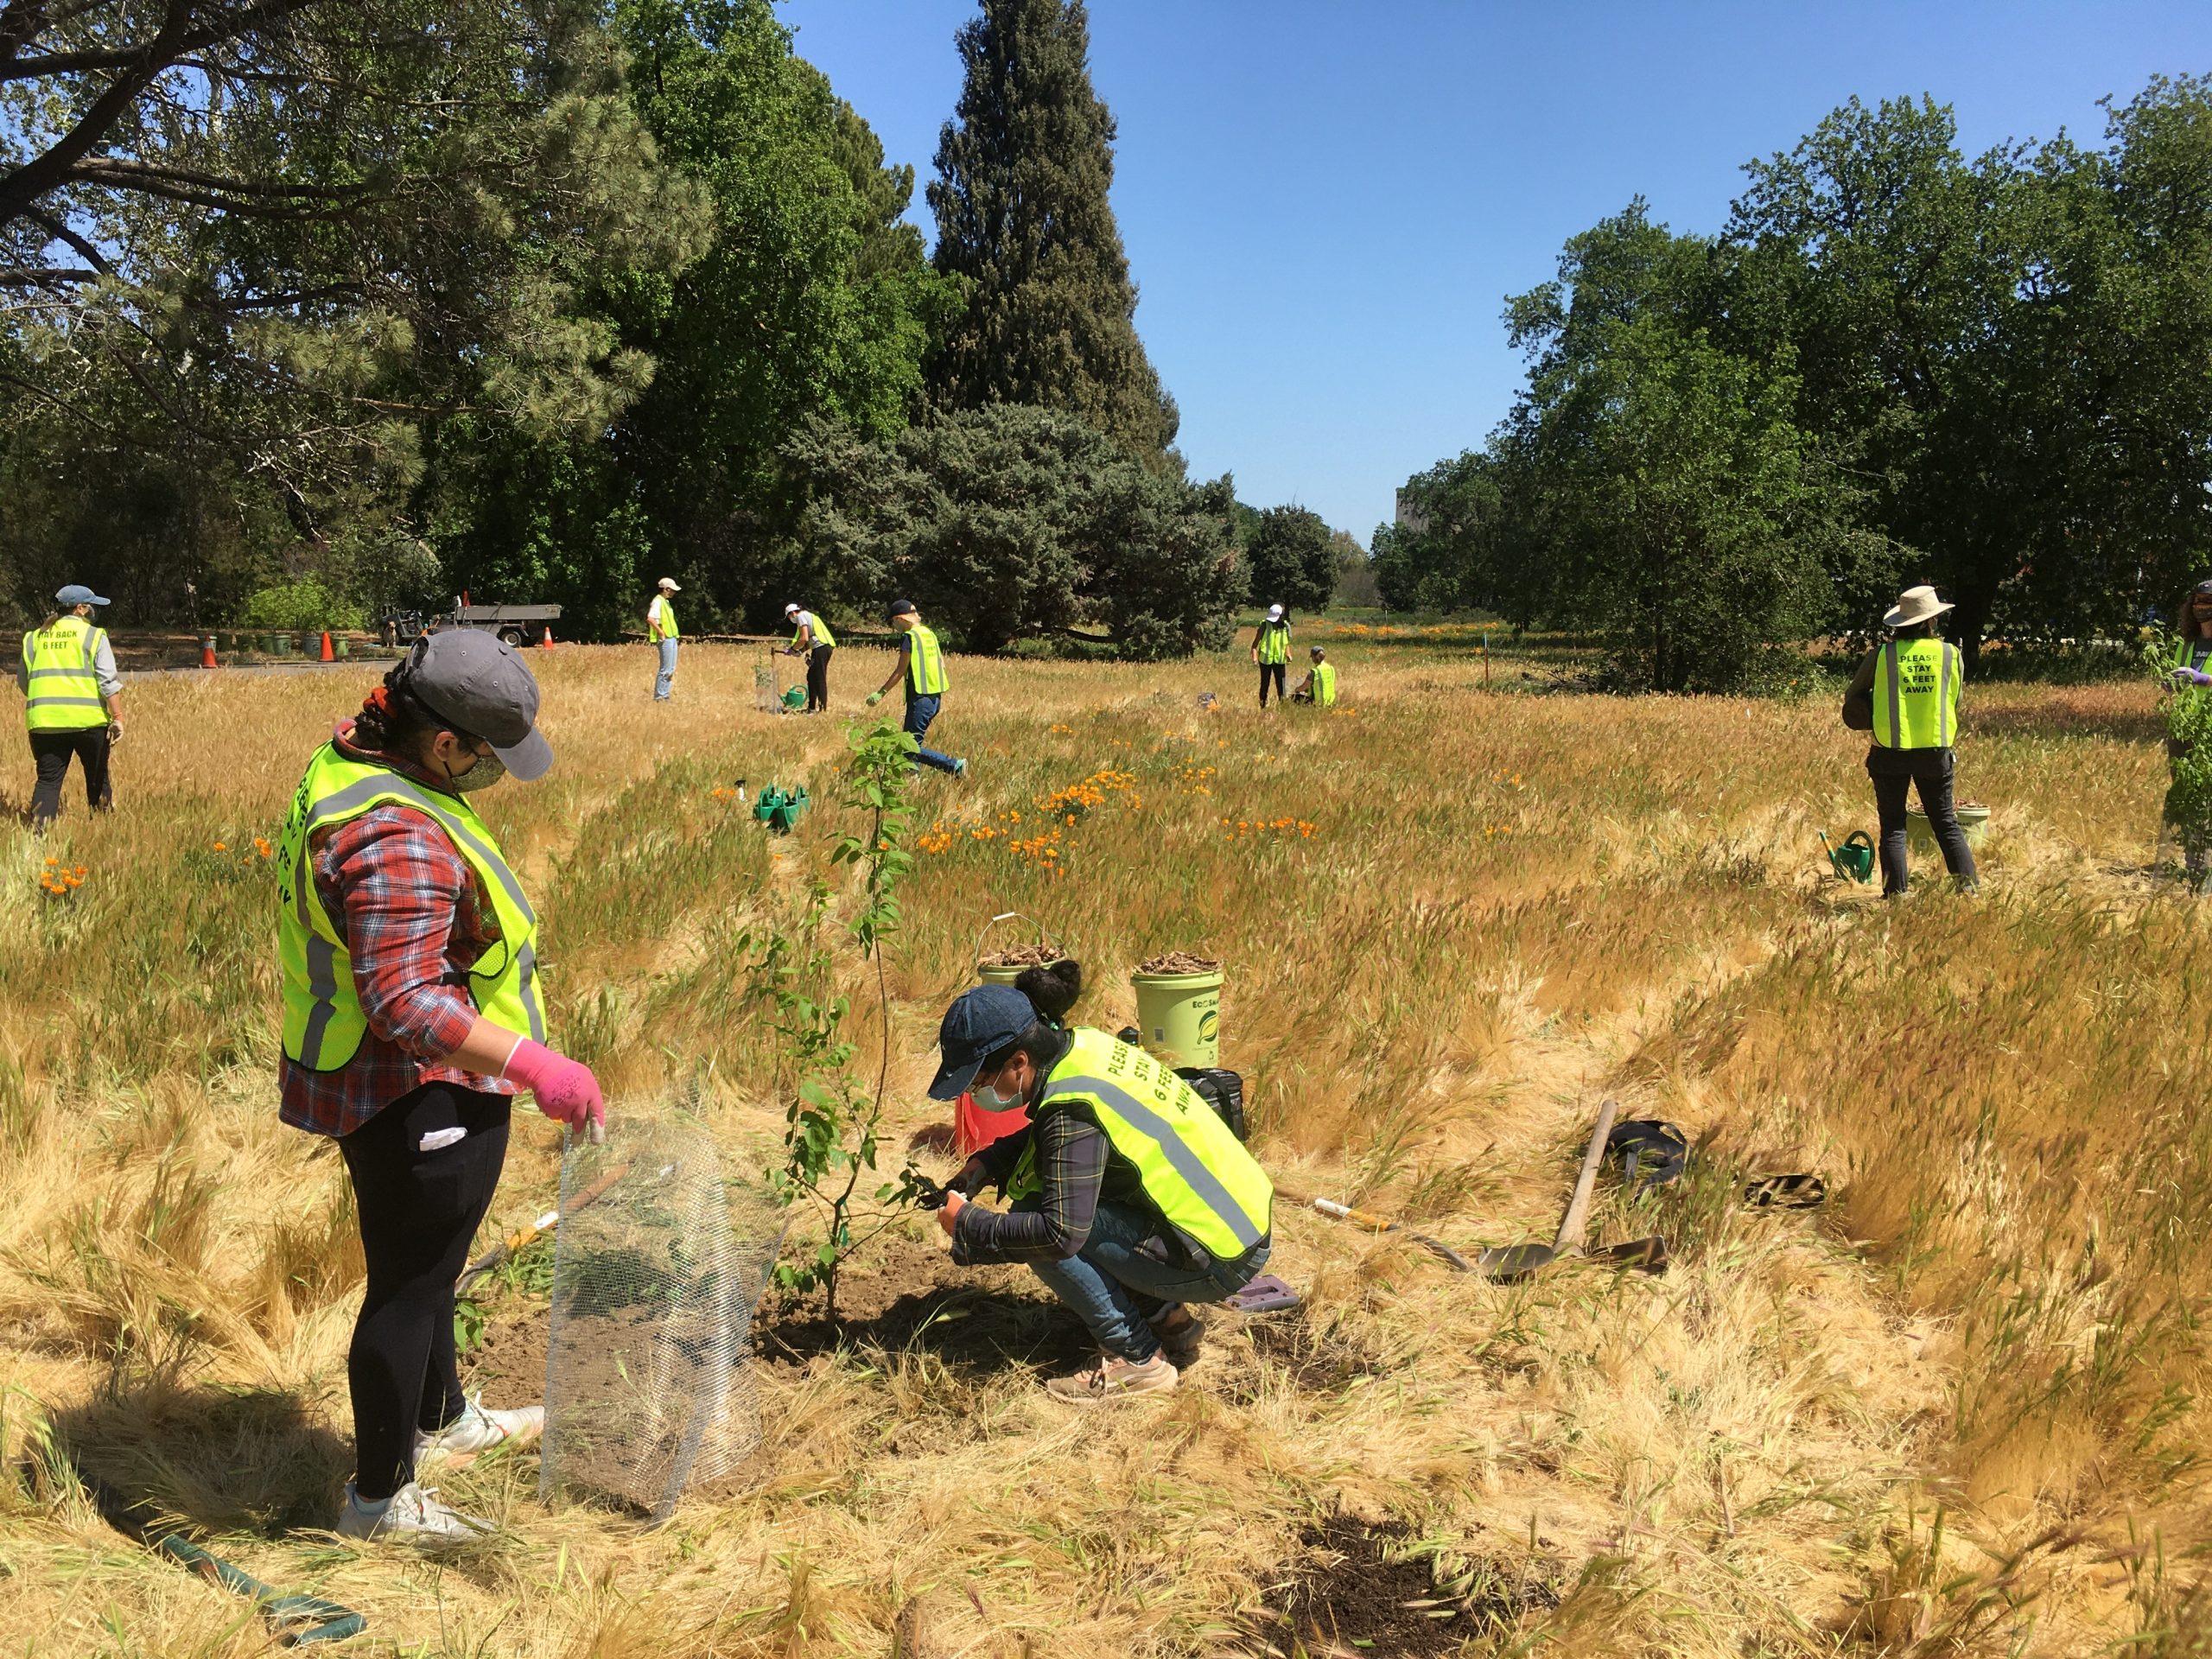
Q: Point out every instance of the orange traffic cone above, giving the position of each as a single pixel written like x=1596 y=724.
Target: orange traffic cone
x=207 y=650
x=328 y=655
x=546 y=644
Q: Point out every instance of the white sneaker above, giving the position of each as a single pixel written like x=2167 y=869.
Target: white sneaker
x=412 y=1513
x=476 y=1431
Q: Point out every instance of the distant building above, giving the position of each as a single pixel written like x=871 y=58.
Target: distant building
x=1407 y=516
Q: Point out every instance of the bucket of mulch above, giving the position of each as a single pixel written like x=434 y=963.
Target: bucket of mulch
x=1002 y=965
x=1179 y=1008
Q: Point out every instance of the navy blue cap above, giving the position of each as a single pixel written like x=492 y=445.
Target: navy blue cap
x=901 y=607
x=77 y=594
x=978 y=1025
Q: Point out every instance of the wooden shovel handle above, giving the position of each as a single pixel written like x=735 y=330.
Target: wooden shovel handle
x=1577 y=1219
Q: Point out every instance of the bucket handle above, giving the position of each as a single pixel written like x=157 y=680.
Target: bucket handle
x=1013 y=916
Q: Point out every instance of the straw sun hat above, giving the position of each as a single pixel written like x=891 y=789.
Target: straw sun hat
x=1914 y=607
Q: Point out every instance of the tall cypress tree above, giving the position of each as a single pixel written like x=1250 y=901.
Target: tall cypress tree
x=1023 y=171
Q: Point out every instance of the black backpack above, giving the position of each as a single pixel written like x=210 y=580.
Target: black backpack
x=1220 y=1089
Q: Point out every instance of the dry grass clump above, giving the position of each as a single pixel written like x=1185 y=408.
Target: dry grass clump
x=1955 y=1414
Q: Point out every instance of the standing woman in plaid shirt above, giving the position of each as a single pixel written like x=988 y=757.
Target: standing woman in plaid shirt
x=411 y=1017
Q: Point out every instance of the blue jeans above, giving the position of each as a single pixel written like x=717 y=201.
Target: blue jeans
x=921 y=710
x=666 y=678
x=1114 y=1285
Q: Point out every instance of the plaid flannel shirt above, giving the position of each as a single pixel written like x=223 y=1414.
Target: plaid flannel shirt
x=412 y=916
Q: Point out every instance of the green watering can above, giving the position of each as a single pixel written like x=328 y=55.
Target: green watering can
x=779 y=808
x=1855 y=860
x=795 y=698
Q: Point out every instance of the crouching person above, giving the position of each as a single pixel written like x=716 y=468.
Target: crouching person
x=1129 y=1196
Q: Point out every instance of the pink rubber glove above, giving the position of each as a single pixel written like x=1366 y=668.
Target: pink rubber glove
x=565 y=1088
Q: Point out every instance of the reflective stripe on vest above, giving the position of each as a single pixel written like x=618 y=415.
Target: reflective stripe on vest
x=62 y=664
x=822 y=634
x=924 y=663
x=666 y=625
x=323 y=1018
x=1916 y=695
x=1195 y=1172
x=1274 y=642
x=1325 y=684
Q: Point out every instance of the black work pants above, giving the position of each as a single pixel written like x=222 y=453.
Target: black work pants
x=818 y=679
x=51 y=751
x=1275 y=672
x=1929 y=771
x=419 y=1210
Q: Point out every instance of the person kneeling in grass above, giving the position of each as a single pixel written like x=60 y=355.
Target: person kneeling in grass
x=1130 y=1197
x=1319 y=685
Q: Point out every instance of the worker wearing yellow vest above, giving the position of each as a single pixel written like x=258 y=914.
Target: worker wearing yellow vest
x=1131 y=1198
x=1906 y=693
x=412 y=1014
x=1319 y=685
x=811 y=639
x=1271 y=651
x=661 y=629
x=921 y=665
x=70 y=692
x=2192 y=673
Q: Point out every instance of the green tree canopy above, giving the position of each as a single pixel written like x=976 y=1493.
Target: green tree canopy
x=1024 y=168
x=1293 y=556
x=1009 y=522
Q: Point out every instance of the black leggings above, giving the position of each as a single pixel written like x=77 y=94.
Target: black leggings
x=817 y=677
x=1276 y=673
x=419 y=1211
x=51 y=752
x=1928 y=771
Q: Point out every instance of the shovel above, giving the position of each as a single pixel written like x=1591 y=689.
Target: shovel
x=1376 y=1223
x=545 y=1223
x=1509 y=1262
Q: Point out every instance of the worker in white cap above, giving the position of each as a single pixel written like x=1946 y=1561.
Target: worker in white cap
x=71 y=705
x=811 y=639
x=661 y=629
x=1906 y=694
x=1271 y=651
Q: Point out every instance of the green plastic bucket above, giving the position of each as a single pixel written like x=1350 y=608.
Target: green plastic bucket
x=1180 y=1016
x=1974 y=820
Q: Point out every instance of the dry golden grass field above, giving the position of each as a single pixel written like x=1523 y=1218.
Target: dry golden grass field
x=1956 y=1412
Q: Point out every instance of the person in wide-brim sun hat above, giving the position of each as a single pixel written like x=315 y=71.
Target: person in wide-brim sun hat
x=1906 y=693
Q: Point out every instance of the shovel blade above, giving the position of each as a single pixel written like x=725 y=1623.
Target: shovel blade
x=1507 y=1263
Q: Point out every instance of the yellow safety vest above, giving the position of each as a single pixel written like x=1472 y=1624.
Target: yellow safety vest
x=822 y=634
x=64 y=693
x=1916 y=695
x=665 y=628
x=1195 y=1172
x=1274 y=642
x=2193 y=653
x=1325 y=685
x=323 y=1019
x=924 y=663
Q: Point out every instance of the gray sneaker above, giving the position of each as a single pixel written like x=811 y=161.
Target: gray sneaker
x=411 y=1515
x=1113 y=1378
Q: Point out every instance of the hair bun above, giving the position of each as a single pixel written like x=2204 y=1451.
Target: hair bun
x=1052 y=987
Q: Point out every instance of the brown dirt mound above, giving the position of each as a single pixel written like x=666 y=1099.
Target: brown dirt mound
x=1177 y=961
x=1363 y=1588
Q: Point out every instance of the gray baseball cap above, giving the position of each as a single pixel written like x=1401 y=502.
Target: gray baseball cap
x=77 y=594
x=481 y=686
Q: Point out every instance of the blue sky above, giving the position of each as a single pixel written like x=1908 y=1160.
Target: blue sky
x=1325 y=205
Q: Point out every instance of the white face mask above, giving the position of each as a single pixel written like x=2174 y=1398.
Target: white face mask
x=987 y=1097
